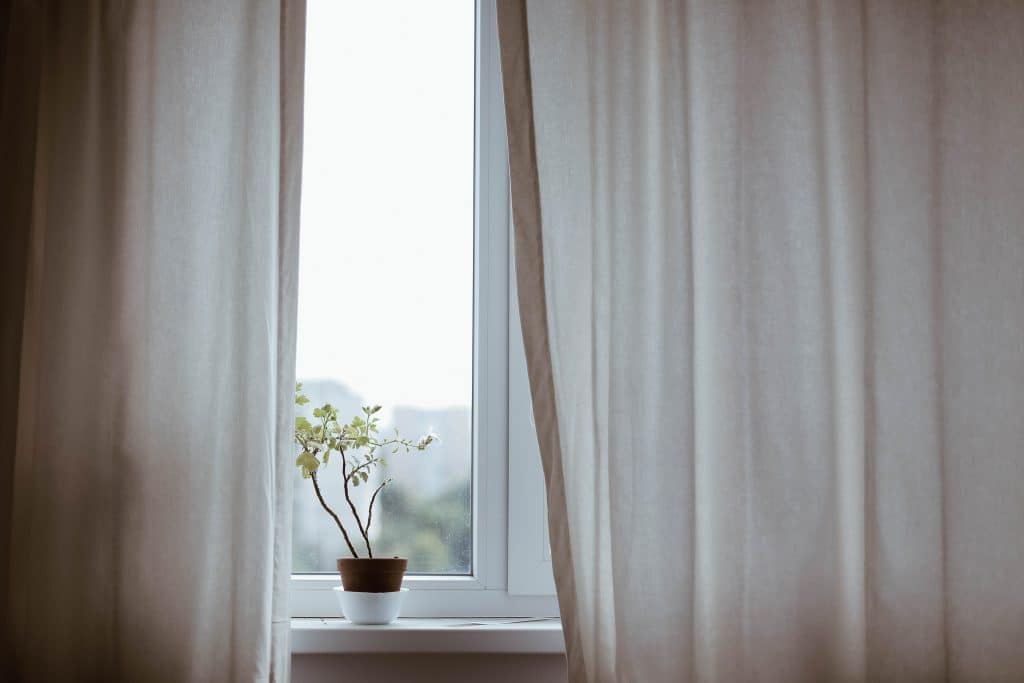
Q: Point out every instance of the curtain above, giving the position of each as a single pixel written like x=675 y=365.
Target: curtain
x=149 y=286
x=771 y=271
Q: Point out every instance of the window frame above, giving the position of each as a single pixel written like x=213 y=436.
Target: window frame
x=511 y=573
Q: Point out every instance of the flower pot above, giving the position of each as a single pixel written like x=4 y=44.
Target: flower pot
x=370 y=608
x=372 y=575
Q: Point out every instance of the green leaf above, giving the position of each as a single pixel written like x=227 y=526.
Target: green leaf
x=355 y=481
x=326 y=456
x=364 y=476
x=308 y=462
x=302 y=424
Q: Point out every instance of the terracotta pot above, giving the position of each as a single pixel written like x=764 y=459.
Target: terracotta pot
x=372 y=575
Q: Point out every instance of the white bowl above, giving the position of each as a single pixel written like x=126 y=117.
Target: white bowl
x=370 y=608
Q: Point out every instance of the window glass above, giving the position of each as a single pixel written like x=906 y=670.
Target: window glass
x=386 y=268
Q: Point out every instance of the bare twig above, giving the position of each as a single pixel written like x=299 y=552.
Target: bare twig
x=373 y=499
x=316 y=487
x=352 y=506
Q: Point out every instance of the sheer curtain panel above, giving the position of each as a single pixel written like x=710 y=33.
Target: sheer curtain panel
x=771 y=273
x=150 y=199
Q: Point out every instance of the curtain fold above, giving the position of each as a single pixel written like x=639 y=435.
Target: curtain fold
x=149 y=337
x=771 y=270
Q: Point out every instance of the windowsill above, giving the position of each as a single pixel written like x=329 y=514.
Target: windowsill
x=510 y=636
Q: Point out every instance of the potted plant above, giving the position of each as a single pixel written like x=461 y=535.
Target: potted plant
x=371 y=590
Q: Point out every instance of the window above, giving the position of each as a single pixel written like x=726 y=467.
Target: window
x=386 y=280
x=404 y=301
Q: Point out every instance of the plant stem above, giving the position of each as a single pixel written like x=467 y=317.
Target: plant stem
x=365 y=465
x=352 y=506
x=316 y=487
x=373 y=499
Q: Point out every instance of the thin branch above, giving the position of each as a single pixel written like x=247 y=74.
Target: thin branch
x=373 y=499
x=365 y=465
x=352 y=506
x=386 y=443
x=316 y=487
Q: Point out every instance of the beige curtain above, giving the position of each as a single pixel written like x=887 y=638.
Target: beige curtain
x=150 y=200
x=771 y=271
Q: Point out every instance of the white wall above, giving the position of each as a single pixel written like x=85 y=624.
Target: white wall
x=429 y=668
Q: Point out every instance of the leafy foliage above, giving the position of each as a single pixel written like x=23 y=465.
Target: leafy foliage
x=360 y=448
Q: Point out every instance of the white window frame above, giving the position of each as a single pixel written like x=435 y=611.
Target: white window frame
x=511 y=563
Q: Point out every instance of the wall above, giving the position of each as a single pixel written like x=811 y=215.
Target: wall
x=429 y=668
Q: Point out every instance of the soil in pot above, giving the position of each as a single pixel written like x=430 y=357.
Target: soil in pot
x=372 y=575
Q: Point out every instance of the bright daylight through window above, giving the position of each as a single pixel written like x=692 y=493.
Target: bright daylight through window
x=386 y=269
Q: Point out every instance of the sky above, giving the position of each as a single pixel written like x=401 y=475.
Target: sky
x=386 y=255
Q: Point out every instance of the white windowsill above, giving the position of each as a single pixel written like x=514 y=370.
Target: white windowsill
x=510 y=636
